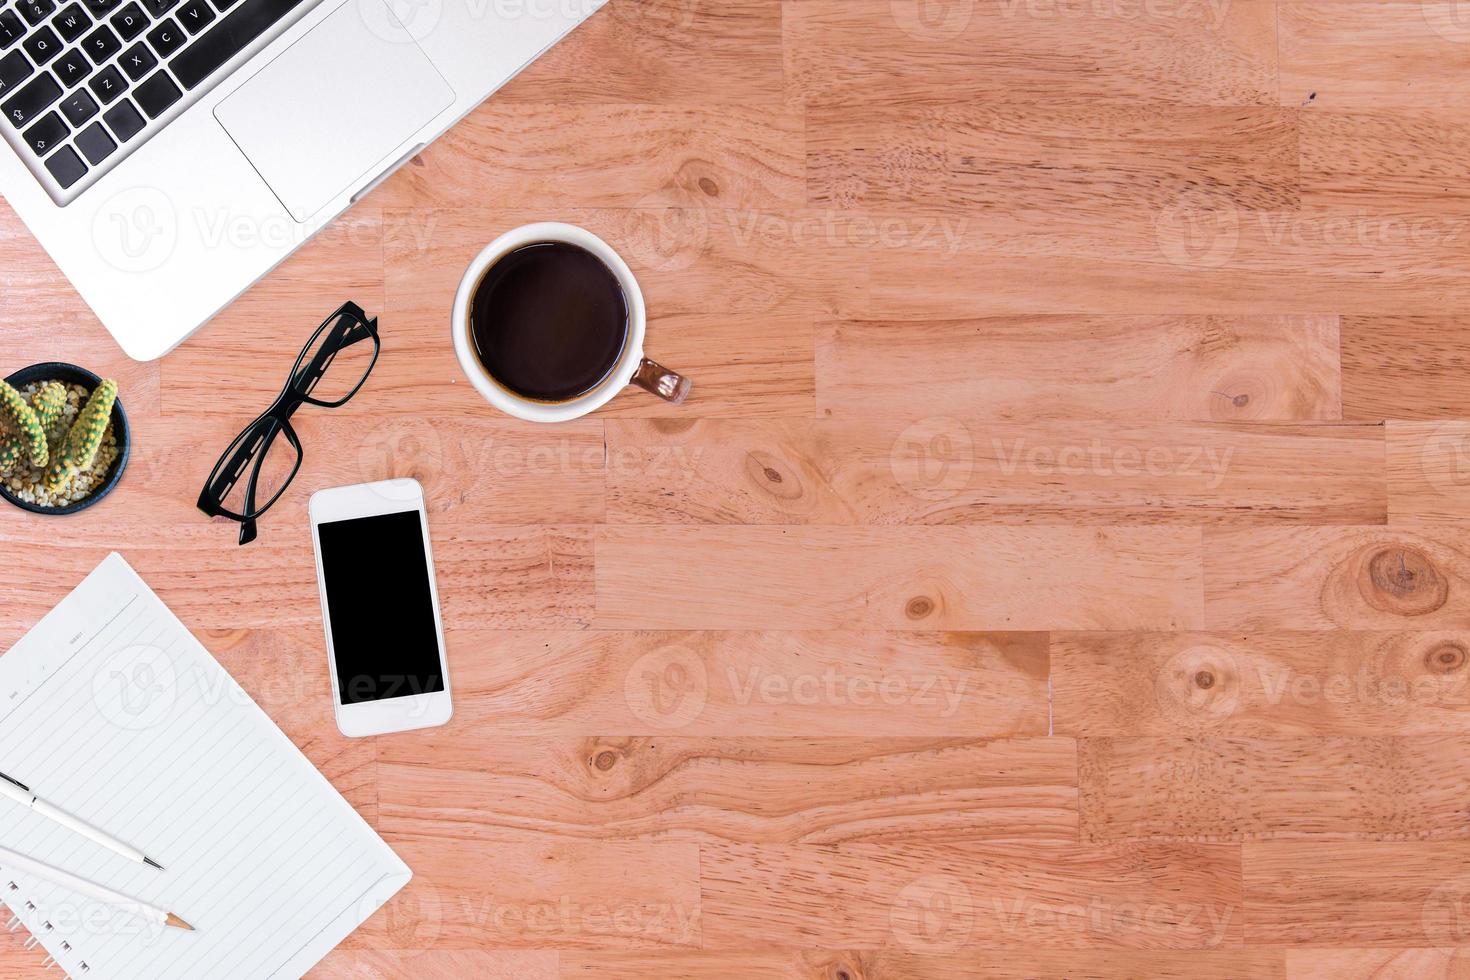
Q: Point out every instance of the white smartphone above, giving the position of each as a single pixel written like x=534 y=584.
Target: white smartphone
x=380 y=608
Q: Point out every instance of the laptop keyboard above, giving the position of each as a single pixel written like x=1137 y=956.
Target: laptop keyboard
x=82 y=85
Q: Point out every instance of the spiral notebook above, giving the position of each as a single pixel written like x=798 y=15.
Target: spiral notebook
x=113 y=711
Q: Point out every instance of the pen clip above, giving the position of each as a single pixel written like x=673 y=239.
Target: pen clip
x=15 y=782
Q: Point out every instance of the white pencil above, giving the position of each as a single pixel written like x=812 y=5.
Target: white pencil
x=21 y=793
x=10 y=859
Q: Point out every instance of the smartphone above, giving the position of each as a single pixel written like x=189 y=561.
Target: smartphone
x=380 y=608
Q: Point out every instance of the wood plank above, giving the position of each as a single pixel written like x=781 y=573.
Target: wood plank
x=663 y=52
x=897 y=578
x=608 y=156
x=1428 y=471
x=874 y=51
x=1191 y=258
x=1009 y=964
x=1377 y=964
x=1053 y=154
x=346 y=964
x=550 y=895
x=1384 y=159
x=1018 y=368
x=1405 y=367
x=1243 y=789
x=757 y=683
x=1399 y=577
x=1266 y=685
x=936 y=899
x=1373 y=54
x=1355 y=894
x=947 y=470
x=741 y=789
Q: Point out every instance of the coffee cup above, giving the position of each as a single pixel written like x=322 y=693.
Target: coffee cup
x=549 y=325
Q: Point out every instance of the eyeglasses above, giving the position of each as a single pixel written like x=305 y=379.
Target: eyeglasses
x=330 y=369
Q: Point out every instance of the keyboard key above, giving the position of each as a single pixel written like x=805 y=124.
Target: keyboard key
x=159 y=7
x=195 y=15
x=32 y=100
x=124 y=121
x=248 y=21
x=95 y=144
x=102 y=44
x=138 y=61
x=71 y=22
x=47 y=134
x=101 y=8
x=78 y=107
x=72 y=68
x=129 y=21
x=107 y=84
x=42 y=45
x=66 y=166
x=166 y=38
x=14 y=69
x=223 y=5
x=36 y=11
x=11 y=28
x=157 y=94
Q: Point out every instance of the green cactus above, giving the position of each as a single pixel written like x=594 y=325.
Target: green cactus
x=80 y=446
x=27 y=435
x=48 y=403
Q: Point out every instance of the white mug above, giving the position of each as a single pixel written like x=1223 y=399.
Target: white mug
x=631 y=368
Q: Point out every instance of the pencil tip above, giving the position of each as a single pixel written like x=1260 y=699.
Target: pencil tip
x=152 y=863
x=178 y=923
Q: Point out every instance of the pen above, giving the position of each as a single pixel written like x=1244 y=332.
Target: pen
x=10 y=859
x=21 y=793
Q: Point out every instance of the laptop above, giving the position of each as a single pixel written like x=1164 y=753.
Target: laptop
x=169 y=153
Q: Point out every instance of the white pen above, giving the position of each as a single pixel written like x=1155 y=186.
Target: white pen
x=21 y=793
x=19 y=862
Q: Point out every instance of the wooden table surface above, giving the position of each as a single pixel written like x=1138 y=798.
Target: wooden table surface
x=1059 y=567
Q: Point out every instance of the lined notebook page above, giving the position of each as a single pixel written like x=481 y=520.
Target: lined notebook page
x=114 y=712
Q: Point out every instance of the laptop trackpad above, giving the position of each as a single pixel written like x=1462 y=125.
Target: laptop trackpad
x=327 y=115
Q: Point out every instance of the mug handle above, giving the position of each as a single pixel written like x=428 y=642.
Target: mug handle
x=658 y=380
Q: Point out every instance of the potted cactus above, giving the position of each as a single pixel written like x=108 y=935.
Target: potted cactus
x=63 y=438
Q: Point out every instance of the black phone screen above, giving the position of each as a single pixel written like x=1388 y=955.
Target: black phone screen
x=384 y=641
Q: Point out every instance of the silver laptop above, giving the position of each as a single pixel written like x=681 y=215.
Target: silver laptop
x=169 y=153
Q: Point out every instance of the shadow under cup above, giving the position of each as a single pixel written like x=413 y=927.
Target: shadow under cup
x=550 y=324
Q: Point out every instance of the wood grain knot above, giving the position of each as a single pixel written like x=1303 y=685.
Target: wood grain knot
x=919 y=607
x=1204 y=680
x=1241 y=401
x=772 y=475
x=709 y=187
x=1403 y=581
x=605 y=760
x=1446 y=658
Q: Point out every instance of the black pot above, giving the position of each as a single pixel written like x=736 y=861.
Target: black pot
x=71 y=374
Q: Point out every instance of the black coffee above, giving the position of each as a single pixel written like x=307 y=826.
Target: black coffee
x=549 y=321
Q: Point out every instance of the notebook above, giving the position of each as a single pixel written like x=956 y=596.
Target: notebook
x=113 y=711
